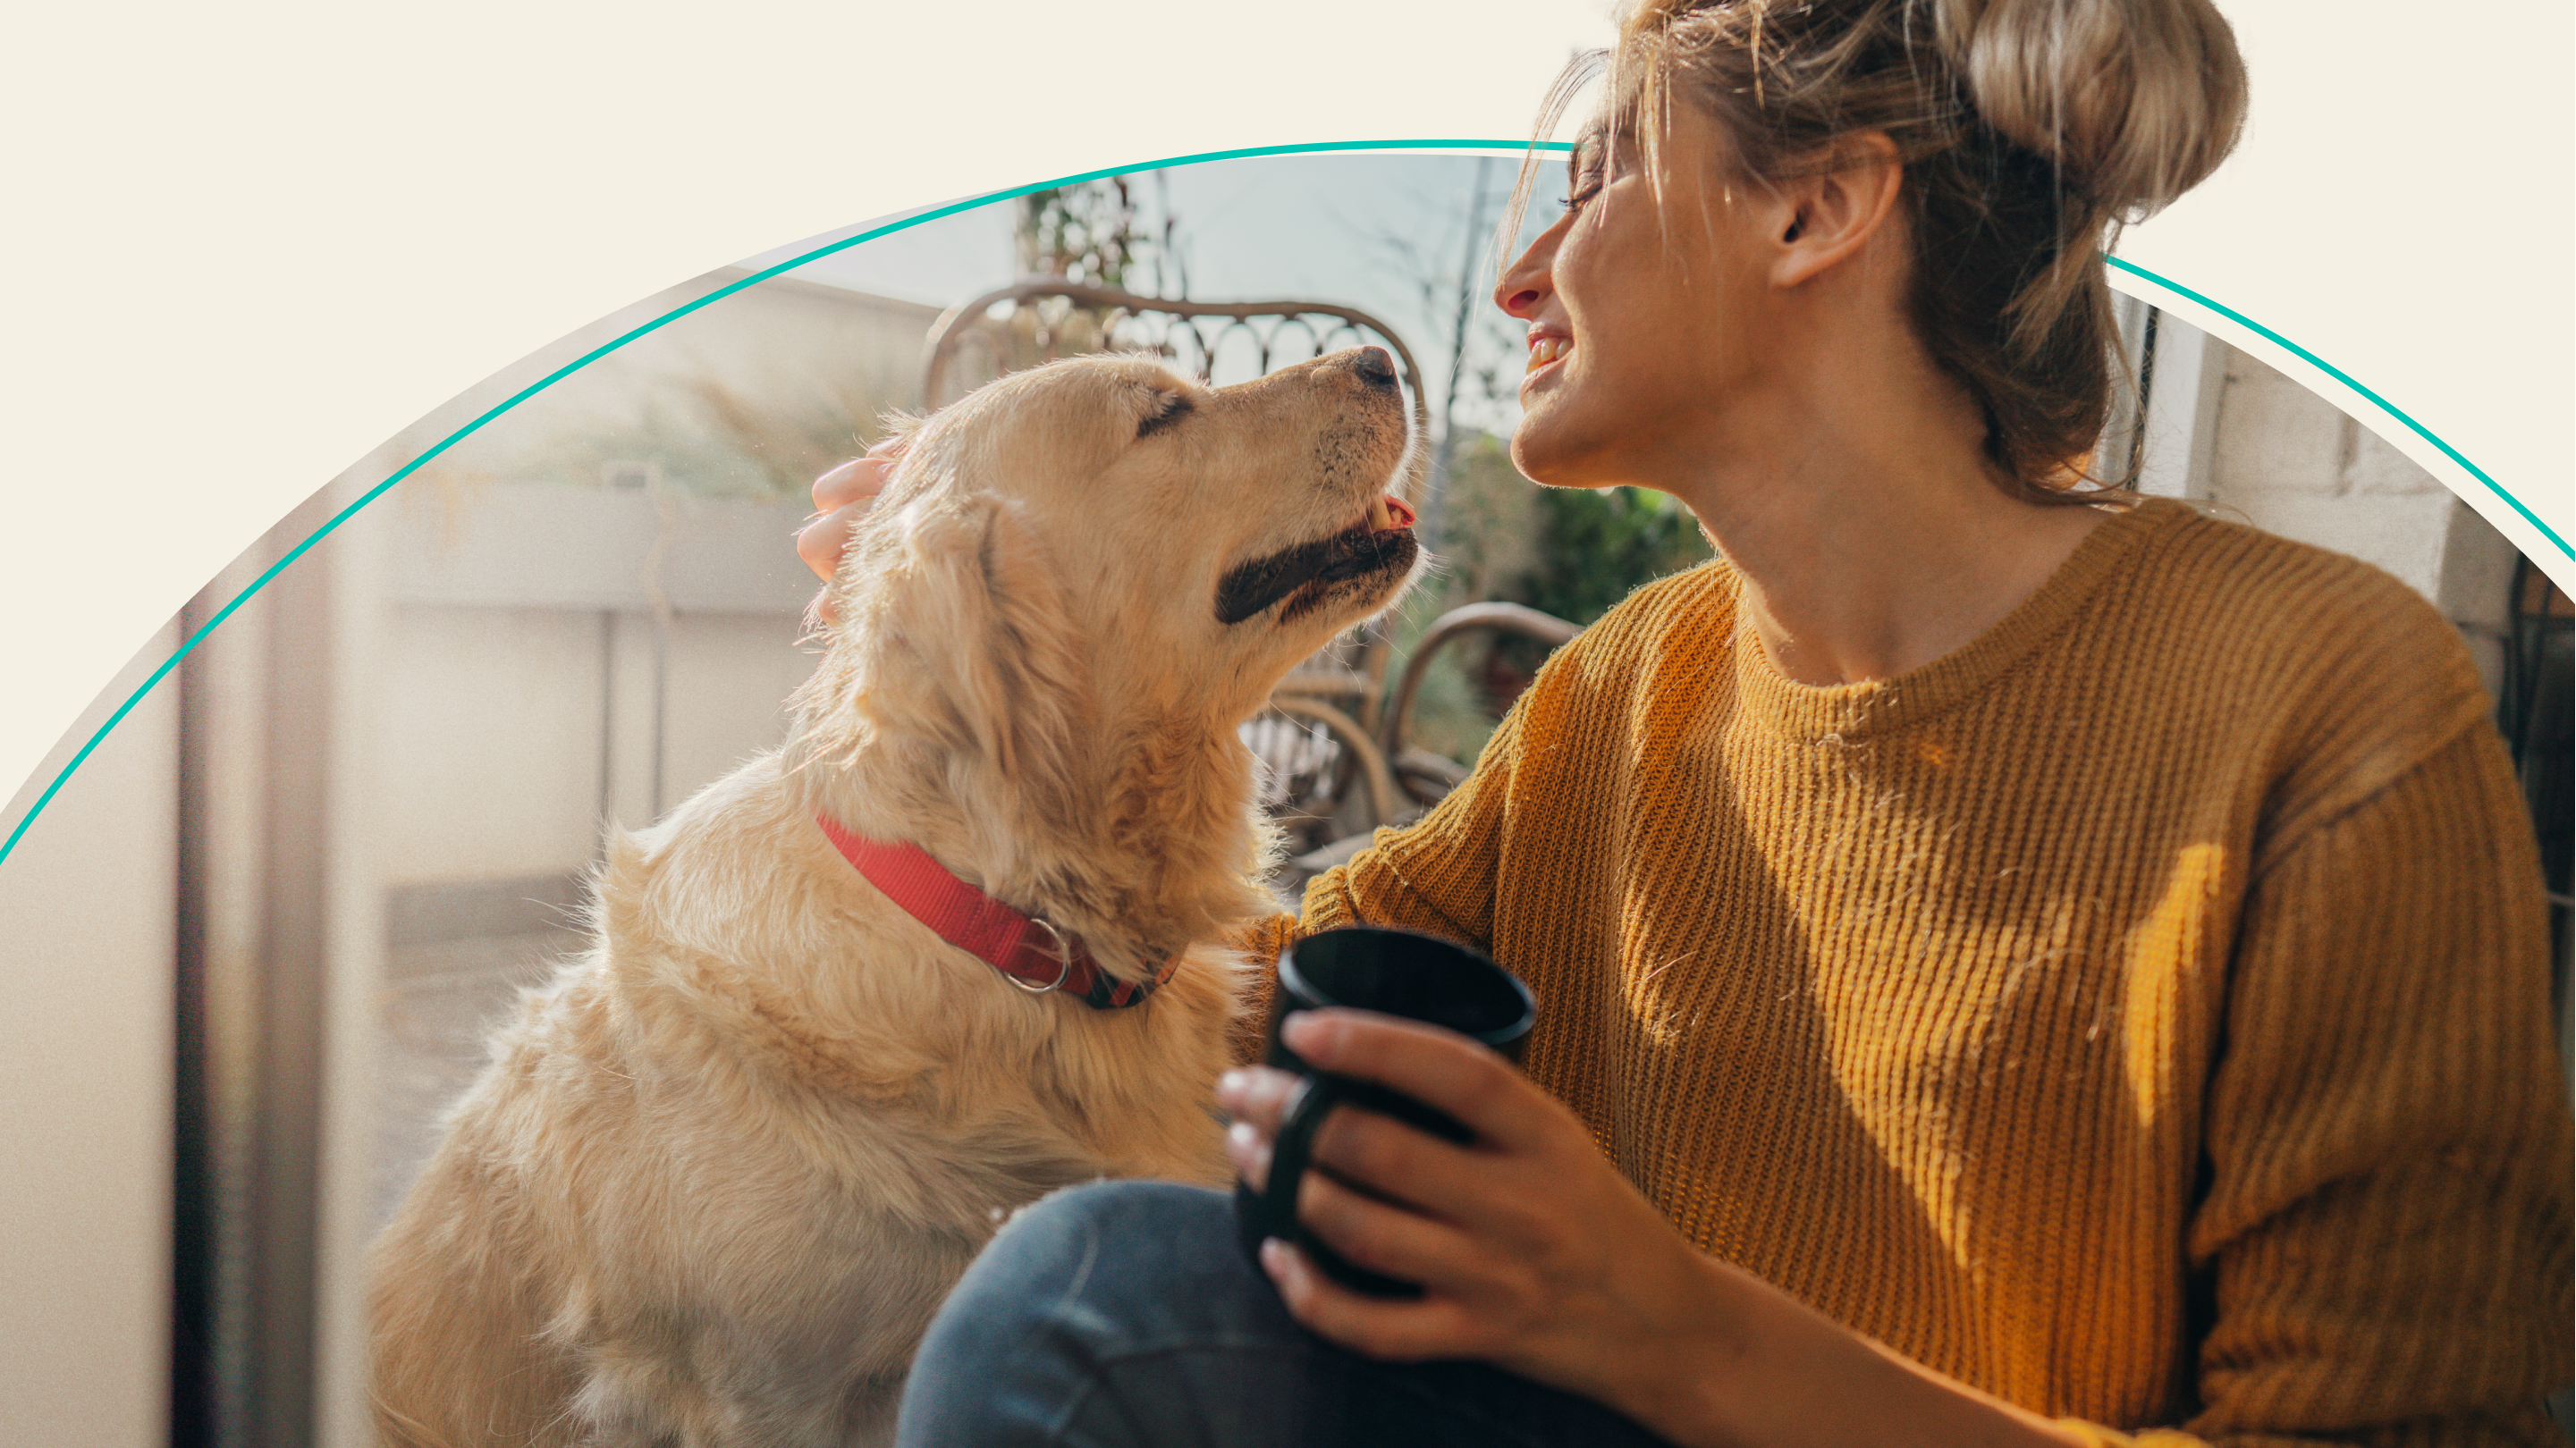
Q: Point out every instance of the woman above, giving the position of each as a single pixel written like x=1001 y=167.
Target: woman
x=2016 y=964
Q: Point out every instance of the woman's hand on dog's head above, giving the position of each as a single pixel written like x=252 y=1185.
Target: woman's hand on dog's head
x=841 y=497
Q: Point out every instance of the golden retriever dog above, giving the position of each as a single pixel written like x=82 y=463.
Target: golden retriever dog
x=721 y=1171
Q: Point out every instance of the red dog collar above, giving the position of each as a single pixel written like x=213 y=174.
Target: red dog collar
x=1035 y=955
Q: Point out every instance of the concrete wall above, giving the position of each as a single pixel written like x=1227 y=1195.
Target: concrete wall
x=2226 y=428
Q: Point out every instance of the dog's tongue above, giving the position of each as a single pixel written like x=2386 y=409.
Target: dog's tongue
x=1397 y=514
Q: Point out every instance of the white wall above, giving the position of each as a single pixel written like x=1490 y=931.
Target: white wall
x=85 y=1081
x=526 y=639
x=729 y=678
x=528 y=622
x=490 y=724
x=493 y=729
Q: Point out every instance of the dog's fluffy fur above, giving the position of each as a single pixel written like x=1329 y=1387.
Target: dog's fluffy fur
x=721 y=1171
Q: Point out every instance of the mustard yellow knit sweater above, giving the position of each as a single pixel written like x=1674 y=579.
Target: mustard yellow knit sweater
x=2140 y=1014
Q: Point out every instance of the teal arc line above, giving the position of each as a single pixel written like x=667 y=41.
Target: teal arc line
x=2348 y=380
x=189 y=644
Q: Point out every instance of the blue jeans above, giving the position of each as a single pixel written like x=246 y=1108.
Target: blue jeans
x=1125 y=1313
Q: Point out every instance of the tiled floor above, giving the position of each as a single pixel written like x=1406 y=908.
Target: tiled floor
x=439 y=1002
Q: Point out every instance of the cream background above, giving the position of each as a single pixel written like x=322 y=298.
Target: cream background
x=248 y=244
x=253 y=243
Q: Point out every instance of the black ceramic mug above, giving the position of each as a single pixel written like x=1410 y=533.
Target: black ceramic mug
x=1394 y=972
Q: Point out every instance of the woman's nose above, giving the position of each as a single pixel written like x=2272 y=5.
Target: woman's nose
x=1525 y=285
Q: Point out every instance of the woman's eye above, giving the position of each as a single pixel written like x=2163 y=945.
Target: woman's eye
x=1585 y=178
x=1585 y=172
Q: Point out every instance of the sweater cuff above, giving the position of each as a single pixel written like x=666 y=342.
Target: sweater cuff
x=1261 y=945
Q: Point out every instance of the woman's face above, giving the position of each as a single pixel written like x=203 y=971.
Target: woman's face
x=1644 y=319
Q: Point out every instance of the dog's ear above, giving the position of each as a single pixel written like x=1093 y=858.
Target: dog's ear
x=953 y=633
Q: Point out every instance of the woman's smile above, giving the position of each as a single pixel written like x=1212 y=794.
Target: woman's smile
x=1546 y=349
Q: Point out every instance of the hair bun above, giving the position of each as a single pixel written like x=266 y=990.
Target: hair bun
x=2134 y=100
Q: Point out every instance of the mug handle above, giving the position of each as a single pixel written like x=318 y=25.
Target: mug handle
x=1292 y=1147
x=1291 y=1152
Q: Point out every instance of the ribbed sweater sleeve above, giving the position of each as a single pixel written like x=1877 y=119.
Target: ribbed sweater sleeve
x=1439 y=875
x=2382 y=1228
x=2385 y=1226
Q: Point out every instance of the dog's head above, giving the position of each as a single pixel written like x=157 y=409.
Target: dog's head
x=1100 y=557
x=1265 y=505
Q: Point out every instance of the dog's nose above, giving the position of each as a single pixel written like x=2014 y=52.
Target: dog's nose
x=1374 y=367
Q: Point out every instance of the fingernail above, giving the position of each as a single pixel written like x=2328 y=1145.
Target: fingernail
x=1241 y=1134
x=1274 y=1256
x=1231 y=1084
x=1302 y=1032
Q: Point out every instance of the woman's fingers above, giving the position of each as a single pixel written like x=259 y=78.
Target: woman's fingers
x=1378 y=1152
x=1511 y=1118
x=1248 y=1148
x=1439 y=1068
x=1383 y=1236
x=1533 y=1252
x=1357 y=1142
x=1479 y=1292
x=858 y=479
x=1260 y=1095
x=842 y=496
x=1391 y=1331
x=824 y=538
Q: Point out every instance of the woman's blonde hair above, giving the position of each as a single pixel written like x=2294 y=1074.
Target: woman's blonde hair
x=2029 y=130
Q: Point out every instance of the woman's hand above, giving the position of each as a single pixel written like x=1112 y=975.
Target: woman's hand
x=841 y=497
x=1536 y=1255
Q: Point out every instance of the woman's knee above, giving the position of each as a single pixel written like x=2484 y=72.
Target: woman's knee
x=1082 y=1279
x=1120 y=1258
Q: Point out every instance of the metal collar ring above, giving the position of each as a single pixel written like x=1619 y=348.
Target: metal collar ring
x=1063 y=957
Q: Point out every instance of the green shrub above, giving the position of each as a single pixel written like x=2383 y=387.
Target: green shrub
x=1595 y=545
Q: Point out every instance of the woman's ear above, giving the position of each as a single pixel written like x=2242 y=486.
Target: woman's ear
x=1833 y=211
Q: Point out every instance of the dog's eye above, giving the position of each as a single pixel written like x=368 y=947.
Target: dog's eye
x=1174 y=408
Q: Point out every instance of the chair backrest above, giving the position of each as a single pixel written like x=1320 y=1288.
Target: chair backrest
x=1041 y=318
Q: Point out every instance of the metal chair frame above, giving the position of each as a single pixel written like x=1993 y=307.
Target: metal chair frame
x=1423 y=776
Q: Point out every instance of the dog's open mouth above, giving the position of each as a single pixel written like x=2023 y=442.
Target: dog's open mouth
x=1308 y=574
